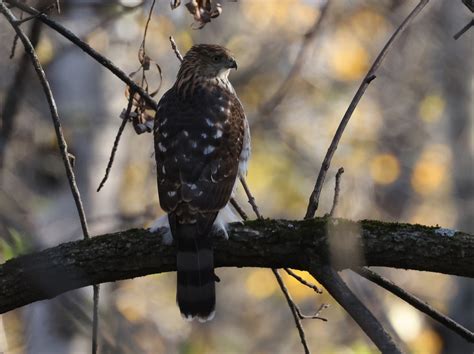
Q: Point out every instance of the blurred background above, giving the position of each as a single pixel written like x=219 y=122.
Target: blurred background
x=407 y=154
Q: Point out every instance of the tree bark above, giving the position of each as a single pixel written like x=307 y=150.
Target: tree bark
x=261 y=243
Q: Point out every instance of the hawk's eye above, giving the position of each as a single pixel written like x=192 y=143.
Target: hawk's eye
x=217 y=58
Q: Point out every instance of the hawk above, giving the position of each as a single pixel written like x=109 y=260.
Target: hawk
x=202 y=144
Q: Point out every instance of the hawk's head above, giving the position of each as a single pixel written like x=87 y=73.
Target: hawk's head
x=206 y=61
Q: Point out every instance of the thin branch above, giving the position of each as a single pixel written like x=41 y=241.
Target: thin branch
x=60 y=138
x=251 y=198
x=258 y=243
x=87 y=49
x=463 y=30
x=302 y=281
x=294 y=311
x=29 y=18
x=333 y=283
x=316 y=316
x=54 y=115
x=337 y=189
x=13 y=49
x=314 y=198
x=95 y=318
x=416 y=303
x=239 y=209
x=269 y=106
x=293 y=307
x=125 y=119
x=14 y=93
x=146 y=25
x=175 y=49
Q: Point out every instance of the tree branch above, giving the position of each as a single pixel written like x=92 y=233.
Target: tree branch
x=416 y=303
x=15 y=93
x=267 y=243
x=87 y=49
x=30 y=51
x=314 y=198
x=293 y=308
x=272 y=103
x=333 y=283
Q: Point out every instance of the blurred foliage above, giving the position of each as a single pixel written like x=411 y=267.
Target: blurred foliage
x=396 y=151
x=12 y=246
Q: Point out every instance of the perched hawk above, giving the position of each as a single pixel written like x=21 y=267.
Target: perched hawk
x=202 y=144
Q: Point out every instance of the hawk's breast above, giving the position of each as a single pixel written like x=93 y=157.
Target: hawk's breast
x=198 y=145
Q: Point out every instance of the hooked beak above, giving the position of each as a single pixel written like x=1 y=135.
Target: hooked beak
x=233 y=64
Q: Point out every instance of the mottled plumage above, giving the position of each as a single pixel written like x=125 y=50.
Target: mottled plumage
x=200 y=131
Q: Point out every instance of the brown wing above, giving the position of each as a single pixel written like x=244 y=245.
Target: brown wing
x=198 y=141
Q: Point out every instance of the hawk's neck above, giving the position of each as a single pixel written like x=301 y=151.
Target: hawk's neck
x=188 y=83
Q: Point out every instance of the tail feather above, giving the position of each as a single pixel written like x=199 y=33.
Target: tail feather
x=196 y=294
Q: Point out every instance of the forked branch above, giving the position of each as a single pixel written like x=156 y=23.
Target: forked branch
x=369 y=77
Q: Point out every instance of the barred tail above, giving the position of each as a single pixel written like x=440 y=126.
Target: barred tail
x=196 y=291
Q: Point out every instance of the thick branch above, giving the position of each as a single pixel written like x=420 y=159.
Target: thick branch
x=364 y=318
x=261 y=243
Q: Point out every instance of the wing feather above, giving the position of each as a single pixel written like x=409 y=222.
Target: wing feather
x=198 y=142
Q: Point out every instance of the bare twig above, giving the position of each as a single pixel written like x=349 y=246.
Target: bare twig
x=469 y=4
x=87 y=49
x=296 y=314
x=416 y=302
x=29 y=18
x=87 y=35
x=337 y=189
x=238 y=208
x=464 y=29
x=314 y=198
x=29 y=49
x=140 y=110
x=145 y=65
x=175 y=49
x=14 y=44
x=302 y=281
x=142 y=46
x=14 y=93
x=293 y=307
x=54 y=115
x=95 y=318
x=316 y=315
x=251 y=198
x=125 y=119
x=333 y=283
x=269 y=106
